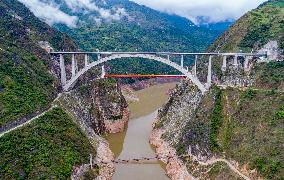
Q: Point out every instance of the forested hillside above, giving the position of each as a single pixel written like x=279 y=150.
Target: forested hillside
x=46 y=149
x=52 y=145
x=241 y=124
x=255 y=29
x=132 y=27
x=26 y=81
x=258 y=29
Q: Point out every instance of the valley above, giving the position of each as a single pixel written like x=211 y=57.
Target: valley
x=215 y=110
x=134 y=143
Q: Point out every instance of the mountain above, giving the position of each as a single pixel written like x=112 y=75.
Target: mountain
x=27 y=73
x=255 y=29
x=122 y=25
x=219 y=26
x=258 y=30
x=50 y=138
x=240 y=126
x=28 y=84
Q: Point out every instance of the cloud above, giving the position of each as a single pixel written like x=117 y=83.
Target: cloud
x=90 y=6
x=50 y=13
x=212 y=10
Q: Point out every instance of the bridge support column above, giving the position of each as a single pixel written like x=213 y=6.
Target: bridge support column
x=99 y=56
x=168 y=56
x=86 y=60
x=246 y=63
x=195 y=66
x=63 y=72
x=209 y=76
x=235 y=60
x=181 y=61
x=103 y=72
x=74 y=65
x=224 y=66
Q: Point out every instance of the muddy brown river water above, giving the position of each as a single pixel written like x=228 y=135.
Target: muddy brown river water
x=134 y=142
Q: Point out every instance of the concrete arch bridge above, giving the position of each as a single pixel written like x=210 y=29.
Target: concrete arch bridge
x=162 y=57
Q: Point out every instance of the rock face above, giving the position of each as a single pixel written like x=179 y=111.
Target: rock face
x=223 y=124
x=98 y=108
x=182 y=131
x=99 y=105
x=177 y=113
x=117 y=125
x=233 y=124
x=175 y=168
x=104 y=154
x=168 y=129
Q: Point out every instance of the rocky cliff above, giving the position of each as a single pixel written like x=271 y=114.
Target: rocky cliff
x=232 y=132
x=62 y=137
x=98 y=108
x=241 y=126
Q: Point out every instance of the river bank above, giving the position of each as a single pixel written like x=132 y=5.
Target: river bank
x=134 y=141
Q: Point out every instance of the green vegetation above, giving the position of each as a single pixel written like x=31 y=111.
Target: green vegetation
x=26 y=86
x=145 y=30
x=48 y=148
x=257 y=133
x=246 y=126
x=221 y=170
x=216 y=120
x=266 y=23
x=270 y=75
x=91 y=174
x=255 y=29
x=267 y=167
x=280 y=114
x=250 y=94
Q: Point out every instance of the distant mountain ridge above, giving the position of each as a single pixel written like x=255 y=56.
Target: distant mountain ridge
x=132 y=27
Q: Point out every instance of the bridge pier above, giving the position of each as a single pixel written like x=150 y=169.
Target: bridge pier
x=63 y=71
x=181 y=61
x=160 y=57
x=246 y=63
x=195 y=66
x=209 y=76
x=74 y=65
x=235 y=60
x=86 y=60
x=103 y=72
x=224 y=66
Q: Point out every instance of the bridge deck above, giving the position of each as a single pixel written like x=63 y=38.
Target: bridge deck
x=143 y=76
x=166 y=53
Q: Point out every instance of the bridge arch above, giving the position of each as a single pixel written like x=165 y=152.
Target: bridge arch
x=181 y=69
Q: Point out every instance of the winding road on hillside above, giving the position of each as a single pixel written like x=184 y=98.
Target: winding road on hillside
x=207 y=163
x=25 y=122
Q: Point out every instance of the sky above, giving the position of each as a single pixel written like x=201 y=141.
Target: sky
x=213 y=10
x=50 y=12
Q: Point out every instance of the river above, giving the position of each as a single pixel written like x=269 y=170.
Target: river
x=134 y=142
